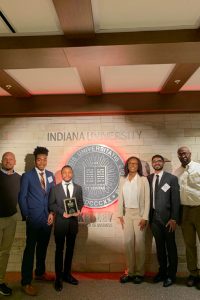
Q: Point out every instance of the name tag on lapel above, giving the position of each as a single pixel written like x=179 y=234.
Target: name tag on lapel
x=50 y=179
x=165 y=187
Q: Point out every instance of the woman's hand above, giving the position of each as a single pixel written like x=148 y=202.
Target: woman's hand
x=142 y=224
x=121 y=219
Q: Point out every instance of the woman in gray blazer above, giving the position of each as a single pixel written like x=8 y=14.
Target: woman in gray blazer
x=133 y=213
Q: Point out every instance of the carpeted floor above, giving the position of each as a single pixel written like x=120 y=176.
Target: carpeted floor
x=106 y=287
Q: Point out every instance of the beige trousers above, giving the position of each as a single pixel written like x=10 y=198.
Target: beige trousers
x=7 y=234
x=134 y=240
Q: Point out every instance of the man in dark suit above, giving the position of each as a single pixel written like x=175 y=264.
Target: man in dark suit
x=33 y=201
x=66 y=225
x=164 y=215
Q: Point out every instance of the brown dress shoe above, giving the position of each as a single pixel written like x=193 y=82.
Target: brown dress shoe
x=29 y=290
x=46 y=277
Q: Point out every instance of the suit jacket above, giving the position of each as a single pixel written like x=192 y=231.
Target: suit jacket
x=143 y=197
x=33 y=200
x=168 y=198
x=57 y=196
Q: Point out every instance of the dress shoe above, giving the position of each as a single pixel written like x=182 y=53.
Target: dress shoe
x=5 y=290
x=198 y=284
x=138 y=279
x=168 y=281
x=29 y=289
x=158 y=278
x=45 y=277
x=58 y=285
x=70 y=279
x=126 y=278
x=192 y=281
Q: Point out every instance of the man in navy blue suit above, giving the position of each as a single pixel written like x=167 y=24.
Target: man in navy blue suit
x=33 y=201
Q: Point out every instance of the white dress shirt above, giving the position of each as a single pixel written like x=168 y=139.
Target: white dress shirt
x=160 y=174
x=39 y=176
x=70 y=187
x=189 y=181
x=130 y=193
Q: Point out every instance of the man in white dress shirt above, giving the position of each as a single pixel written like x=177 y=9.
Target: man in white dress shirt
x=189 y=180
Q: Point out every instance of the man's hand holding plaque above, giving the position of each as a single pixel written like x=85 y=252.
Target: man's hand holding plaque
x=71 y=208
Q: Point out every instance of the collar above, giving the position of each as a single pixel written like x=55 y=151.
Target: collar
x=160 y=174
x=6 y=172
x=39 y=171
x=67 y=182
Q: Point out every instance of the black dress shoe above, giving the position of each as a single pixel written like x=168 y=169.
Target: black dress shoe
x=138 y=279
x=192 y=281
x=70 y=279
x=58 y=285
x=198 y=284
x=126 y=278
x=167 y=282
x=158 y=278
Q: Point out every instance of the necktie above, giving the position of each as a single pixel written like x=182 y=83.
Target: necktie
x=156 y=188
x=157 y=183
x=67 y=190
x=42 y=181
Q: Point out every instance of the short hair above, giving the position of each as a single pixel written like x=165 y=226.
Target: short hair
x=40 y=150
x=139 y=171
x=66 y=166
x=185 y=147
x=158 y=155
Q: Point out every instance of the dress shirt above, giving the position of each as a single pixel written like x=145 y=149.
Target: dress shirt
x=160 y=174
x=44 y=175
x=189 y=181
x=130 y=193
x=6 y=172
x=70 y=187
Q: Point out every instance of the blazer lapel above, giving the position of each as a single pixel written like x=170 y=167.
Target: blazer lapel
x=162 y=180
x=75 y=189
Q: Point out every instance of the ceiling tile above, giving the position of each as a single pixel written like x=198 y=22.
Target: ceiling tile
x=138 y=78
x=193 y=84
x=31 y=17
x=49 y=81
x=3 y=92
x=129 y=15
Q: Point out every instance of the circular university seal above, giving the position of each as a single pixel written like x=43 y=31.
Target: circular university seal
x=97 y=169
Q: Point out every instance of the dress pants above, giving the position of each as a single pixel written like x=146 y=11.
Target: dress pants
x=190 y=225
x=65 y=231
x=37 y=238
x=7 y=234
x=166 y=248
x=134 y=240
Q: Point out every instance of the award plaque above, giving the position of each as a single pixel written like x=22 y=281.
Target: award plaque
x=70 y=205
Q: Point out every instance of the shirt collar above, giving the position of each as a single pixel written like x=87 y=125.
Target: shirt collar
x=68 y=182
x=6 y=172
x=160 y=174
x=39 y=171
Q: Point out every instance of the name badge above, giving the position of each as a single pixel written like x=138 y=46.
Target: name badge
x=165 y=187
x=50 y=179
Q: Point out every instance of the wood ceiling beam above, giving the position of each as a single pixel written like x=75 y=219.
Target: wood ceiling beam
x=56 y=105
x=88 y=69
x=102 y=55
x=11 y=86
x=75 y=17
x=178 y=77
x=102 y=39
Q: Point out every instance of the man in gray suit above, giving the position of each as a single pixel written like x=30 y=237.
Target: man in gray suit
x=164 y=214
x=66 y=225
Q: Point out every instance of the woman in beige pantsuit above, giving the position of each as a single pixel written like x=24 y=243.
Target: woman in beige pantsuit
x=133 y=212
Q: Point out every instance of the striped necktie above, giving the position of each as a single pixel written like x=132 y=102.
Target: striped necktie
x=42 y=181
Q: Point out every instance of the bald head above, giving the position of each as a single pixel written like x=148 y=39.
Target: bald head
x=8 y=161
x=184 y=155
